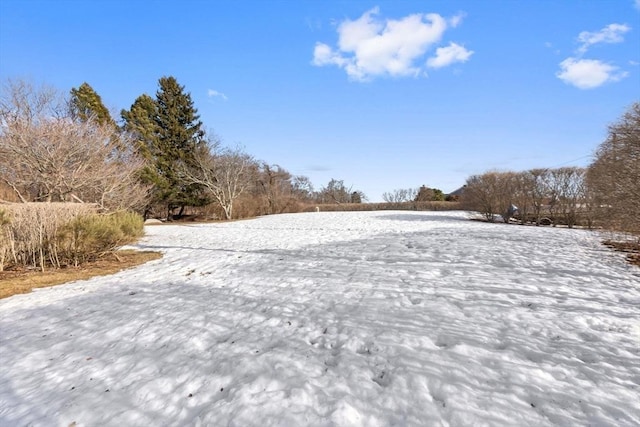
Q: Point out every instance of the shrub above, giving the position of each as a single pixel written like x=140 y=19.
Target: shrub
x=36 y=235
x=4 y=238
x=29 y=238
x=88 y=237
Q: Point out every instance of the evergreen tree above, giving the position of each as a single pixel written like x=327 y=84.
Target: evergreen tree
x=140 y=123
x=179 y=136
x=85 y=104
x=168 y=133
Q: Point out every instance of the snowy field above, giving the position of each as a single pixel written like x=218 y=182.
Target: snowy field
x=335 y=319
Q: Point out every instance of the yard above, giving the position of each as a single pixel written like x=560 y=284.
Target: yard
x=335 y=319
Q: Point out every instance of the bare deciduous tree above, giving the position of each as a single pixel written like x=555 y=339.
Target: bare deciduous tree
x=275 y=184
x=539 y=192
x=302 y=188
x=568 y=192
x=491 y=194
x=613 y=178
x=401 y=195
x=561 y=192
x=225 y=173
x=46 y=156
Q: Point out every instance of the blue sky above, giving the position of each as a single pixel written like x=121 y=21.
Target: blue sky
x=380 y=94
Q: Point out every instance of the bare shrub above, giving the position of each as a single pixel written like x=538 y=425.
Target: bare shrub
x=30 y=237
x=5 y=242
x=37 y=235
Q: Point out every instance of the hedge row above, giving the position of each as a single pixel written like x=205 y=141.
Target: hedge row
x=41 y=235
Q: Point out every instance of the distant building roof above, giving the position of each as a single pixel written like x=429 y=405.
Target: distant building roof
x=458 y=192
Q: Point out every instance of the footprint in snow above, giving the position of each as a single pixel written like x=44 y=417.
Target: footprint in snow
x=383 y=379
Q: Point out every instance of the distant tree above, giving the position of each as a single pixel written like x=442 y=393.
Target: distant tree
x=426 y=194
x=613 y=177
x=538 y=191
x=225 y=174
x=478 y=196
x=302 y=188
x=334 y=192
x=568 y=192
x=491 y=194
x=275 y=184
x=400 y=195
x=337 y=192
x=85 y=104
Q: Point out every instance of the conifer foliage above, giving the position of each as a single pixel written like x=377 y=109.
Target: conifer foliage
x=85 y=104
x=168 y=132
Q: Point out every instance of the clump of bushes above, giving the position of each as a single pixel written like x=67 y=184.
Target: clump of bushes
x=41 y=235
x=88 y=237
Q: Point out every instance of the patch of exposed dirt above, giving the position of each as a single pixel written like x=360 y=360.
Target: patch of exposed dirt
x=22 y=281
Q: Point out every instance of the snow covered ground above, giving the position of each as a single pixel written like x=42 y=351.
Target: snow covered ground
x=335 y=319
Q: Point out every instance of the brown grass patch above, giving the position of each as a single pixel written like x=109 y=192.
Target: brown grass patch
x=15 y=282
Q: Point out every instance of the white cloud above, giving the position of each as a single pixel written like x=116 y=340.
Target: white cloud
x=588 y=73
x=369 y=46
x=612 y=33
x=637 y=4
x=213 y=93
x=324 y=55
x=446 y=56
x=457 y=19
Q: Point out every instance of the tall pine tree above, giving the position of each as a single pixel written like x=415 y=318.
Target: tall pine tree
x=140 y=122
x=168 y=133
x=85 y=104
x=180 y=134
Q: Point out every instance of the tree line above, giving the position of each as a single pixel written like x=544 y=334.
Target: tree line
x=606 y=193
x=157 y=159
x=422 y=194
